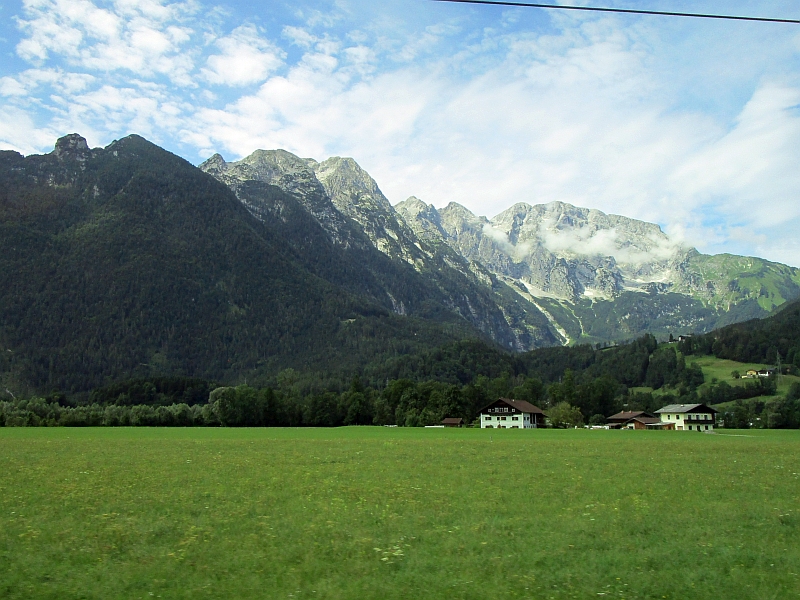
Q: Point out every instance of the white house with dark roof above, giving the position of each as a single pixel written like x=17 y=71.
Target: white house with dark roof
x=689 y=417
x=511 y=414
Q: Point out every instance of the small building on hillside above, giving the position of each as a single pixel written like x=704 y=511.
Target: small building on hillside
x=453 y=422
x=511 y=414
x=689 y=417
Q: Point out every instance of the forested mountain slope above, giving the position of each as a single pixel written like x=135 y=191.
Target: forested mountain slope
x=129 y=261
x=770 y=340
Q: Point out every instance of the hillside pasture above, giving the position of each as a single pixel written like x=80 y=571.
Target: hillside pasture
x=398 y=513
x=721 y=369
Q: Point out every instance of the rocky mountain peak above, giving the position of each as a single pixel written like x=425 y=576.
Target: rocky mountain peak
x=356 y=194
x=291 y=174
x=275 y=167
x=71 y=146
x=348 y=184
x=280 y=168
x=215 y=165
x=423 y=219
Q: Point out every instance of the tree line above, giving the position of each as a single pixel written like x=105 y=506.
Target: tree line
x=573 y=385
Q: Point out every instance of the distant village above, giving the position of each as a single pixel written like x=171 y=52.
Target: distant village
x=519 y=414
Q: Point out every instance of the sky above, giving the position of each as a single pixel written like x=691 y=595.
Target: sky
x=693 y=124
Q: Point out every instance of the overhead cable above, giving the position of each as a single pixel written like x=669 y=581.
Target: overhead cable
x=631 y=11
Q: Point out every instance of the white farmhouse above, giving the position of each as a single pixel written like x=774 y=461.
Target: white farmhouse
x=511 y=414
x=689 y=417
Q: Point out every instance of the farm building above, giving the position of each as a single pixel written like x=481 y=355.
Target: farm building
x=453 y=422
x=511 y=414
x=635 y=419
x=689 y=417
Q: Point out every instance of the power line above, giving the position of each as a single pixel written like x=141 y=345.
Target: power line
x=624 y=10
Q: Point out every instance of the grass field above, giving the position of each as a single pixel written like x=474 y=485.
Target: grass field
x=721 y=369
x=398 y=513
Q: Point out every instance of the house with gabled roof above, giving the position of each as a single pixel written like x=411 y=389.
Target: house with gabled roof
x=511 y=414
x=633 y=419
x=622 y=418
x=689 y=417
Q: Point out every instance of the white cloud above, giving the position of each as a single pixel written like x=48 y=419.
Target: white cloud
x=499 y=237
x=246 y=58
x=141 y=36
x=19 y=132
x=606 y=242
x=29 y=81
x=750 y=174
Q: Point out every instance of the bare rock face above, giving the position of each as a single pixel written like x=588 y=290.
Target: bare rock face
x=423 y=219
x=350 y=206
x=555 y=250
x=355 y=194
x=291 y=174
x=72 y=147
x=547 y=255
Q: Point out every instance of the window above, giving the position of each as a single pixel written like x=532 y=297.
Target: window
x=515 y=418
x=504 y=418
x=706 y=427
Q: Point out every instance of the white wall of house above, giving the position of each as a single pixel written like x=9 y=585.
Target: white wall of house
x=509 y=421
x=685 y=421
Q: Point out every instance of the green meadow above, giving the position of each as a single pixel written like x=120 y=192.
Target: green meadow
x=720 y=369
x=398 y=513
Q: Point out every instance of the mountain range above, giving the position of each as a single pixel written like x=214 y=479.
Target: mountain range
x=129 y=261
x=578 y=275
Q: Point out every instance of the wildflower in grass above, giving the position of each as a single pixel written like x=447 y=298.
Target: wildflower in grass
x=393 y=552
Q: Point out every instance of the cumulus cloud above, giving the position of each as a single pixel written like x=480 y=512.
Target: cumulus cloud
x=606 y=242
x=750 y=173
x=146 y=110
x=245 y=58
x=140 y=36
x=29 y=81
x=19 y=132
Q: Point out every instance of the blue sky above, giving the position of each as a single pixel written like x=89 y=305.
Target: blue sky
x=693 y=124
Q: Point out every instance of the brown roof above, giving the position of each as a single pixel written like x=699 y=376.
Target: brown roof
x=628 y=415
x=520 y=405
x=686 y=408
x=647 y=420
x=452 y=421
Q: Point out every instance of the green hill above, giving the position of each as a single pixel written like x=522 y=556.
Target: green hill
x=766 y=341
